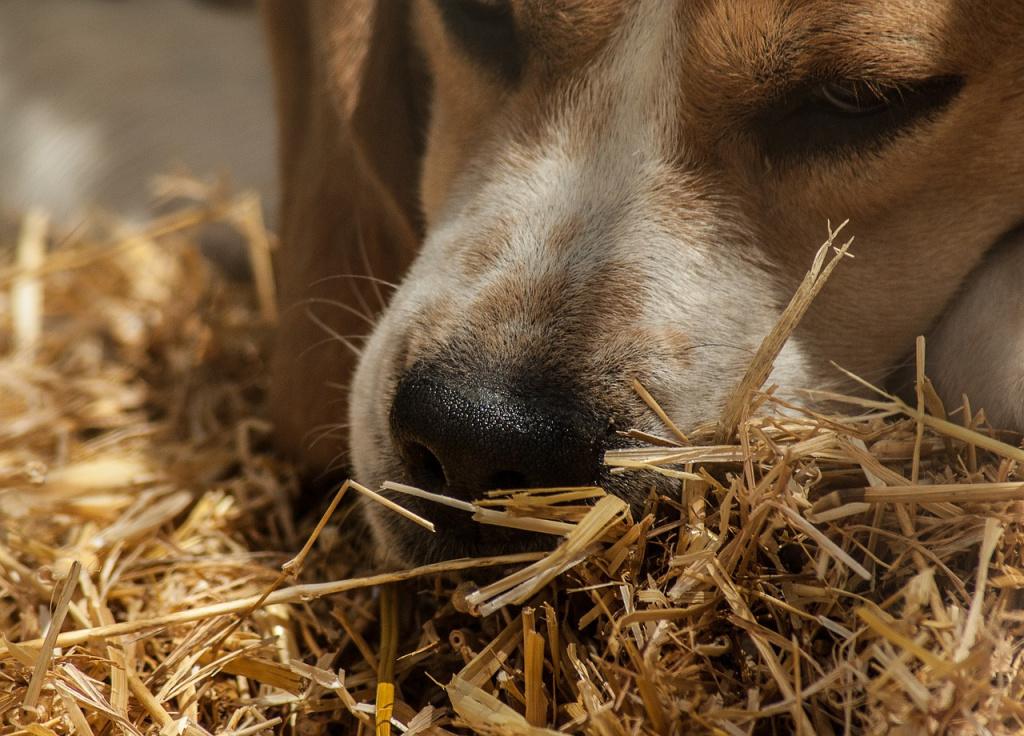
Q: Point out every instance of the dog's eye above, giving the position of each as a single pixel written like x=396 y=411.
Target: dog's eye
x=486 y=31
x=851 y=97
x=844 y=115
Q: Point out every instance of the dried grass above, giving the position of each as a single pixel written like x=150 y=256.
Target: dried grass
x=840 y=572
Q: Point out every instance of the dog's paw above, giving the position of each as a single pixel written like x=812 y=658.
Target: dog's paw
x=977 y=348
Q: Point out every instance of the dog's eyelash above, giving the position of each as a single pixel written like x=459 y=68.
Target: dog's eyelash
x=837 y=116
x=486 y=31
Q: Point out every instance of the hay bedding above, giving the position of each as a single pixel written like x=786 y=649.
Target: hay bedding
x=826 y=574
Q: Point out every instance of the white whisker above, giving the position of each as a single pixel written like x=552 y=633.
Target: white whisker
x=343 y=339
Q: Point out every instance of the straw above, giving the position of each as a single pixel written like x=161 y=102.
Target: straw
x=853 y=568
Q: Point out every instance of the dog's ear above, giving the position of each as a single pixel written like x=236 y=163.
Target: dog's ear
x=351 y=101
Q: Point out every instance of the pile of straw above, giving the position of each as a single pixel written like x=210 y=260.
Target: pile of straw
x=817 y=573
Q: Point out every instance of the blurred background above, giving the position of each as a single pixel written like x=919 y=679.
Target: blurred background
x=98 y=96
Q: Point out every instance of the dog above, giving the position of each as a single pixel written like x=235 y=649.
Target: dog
x=572 y=194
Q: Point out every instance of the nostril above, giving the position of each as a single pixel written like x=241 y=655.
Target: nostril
x=506 y=480
x=424 y=467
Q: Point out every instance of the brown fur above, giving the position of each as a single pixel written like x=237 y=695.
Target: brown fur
x=583 y=282
x=349 y=163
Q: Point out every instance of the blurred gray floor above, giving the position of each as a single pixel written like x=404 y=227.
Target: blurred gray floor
x=97 y=96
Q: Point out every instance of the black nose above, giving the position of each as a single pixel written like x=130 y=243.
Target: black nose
x=462 y=436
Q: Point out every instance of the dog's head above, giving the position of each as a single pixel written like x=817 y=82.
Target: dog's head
x=609 y=190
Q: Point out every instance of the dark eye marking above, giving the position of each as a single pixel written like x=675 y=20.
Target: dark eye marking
x=844 y=115
x=486 y=31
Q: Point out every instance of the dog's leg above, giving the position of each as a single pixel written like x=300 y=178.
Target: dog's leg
x=977 y=348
